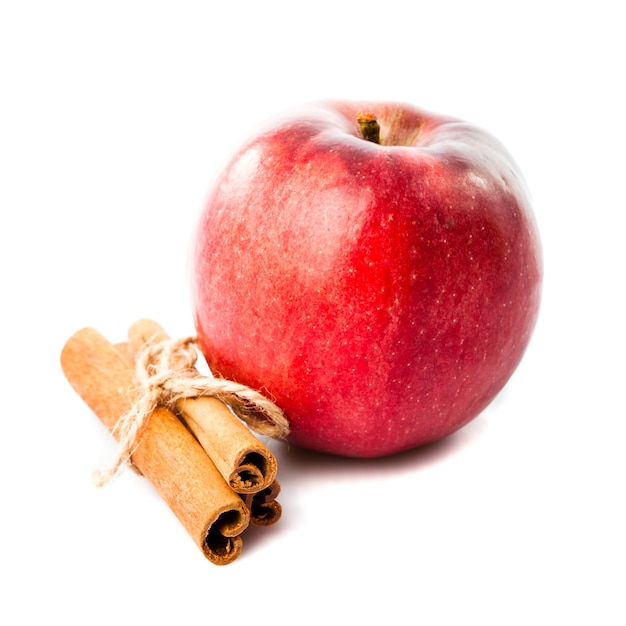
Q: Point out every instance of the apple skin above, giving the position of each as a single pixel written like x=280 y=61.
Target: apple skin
x=382 y=295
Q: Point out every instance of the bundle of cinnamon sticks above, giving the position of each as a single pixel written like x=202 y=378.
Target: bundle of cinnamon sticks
x=213 y=473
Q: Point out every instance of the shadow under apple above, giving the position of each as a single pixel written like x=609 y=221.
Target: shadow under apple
x=300 y=468
x=298 y=465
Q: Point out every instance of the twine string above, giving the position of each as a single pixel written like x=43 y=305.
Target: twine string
x=166 y=373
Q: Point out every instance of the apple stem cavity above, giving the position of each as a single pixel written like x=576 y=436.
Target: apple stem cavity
x=370 y=128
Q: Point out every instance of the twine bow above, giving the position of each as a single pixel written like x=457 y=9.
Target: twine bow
x=166 y=373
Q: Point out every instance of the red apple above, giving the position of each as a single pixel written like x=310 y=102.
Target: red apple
x=381 y=293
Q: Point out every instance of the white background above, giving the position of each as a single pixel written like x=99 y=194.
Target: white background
x=114 y=117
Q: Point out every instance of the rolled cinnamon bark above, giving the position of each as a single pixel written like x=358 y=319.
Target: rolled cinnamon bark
x=166 y=453
x=246 y=464
x=265 y=510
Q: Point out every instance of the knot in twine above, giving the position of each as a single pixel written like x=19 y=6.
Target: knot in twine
x=166 y=373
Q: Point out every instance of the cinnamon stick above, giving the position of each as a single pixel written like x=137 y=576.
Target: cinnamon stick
x=265 y=510
x=246 y=464
x=166 y=453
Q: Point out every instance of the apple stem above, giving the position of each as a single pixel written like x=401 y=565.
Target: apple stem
x=370 y=128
